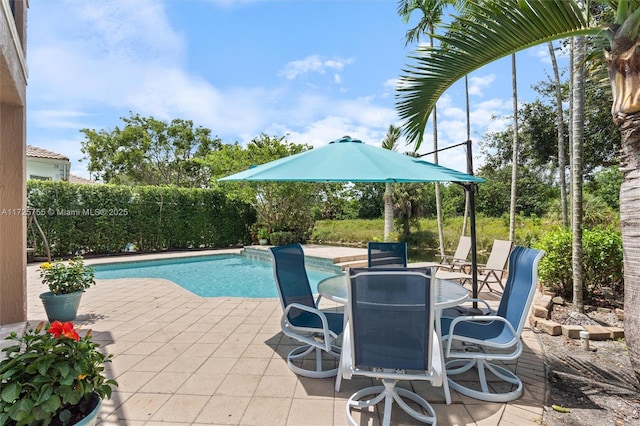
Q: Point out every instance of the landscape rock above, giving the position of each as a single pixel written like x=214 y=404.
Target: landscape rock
x=572 y=331
x=597 y=332
x=615 y=333
x=552 y=328
x=540 y=312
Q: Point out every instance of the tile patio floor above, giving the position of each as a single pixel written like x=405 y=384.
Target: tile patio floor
x=182 y=359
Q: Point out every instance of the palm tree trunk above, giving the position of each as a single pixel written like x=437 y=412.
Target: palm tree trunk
x=435 y=160
x=514 y=152
x=561 y=150
x=388 y=211
x=438 y=198
x=466 y=193
x=630 y=223
x=576 y=172
x=623 y=74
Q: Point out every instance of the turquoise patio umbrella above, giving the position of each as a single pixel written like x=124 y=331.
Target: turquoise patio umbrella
x=351 y=160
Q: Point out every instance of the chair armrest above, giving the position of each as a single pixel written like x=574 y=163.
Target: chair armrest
x=328 y=334
x=475 y=318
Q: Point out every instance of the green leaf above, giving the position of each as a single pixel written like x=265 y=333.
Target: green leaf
x=487 y=31
x=10 y=392
x=45 y=393
x=44 y=365
x=21 y=410
x=52 y=404
x=64 y=369
x=65 y=416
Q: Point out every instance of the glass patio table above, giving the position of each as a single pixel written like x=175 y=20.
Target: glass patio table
x=447 y=295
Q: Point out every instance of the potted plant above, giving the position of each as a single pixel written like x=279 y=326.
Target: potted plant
x=66 y=282
x=263 y=236
x=51 y=375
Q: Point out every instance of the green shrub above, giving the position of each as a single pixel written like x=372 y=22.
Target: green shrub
x=602 y=262
x=282 y=238
x=555 y=269
x=603 y=266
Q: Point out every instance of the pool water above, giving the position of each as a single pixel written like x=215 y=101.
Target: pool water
x=209 y=276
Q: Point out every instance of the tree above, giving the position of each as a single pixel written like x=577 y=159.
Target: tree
x=408 y=204
x=432 y=11
x=576 y=170
x=606 y=185
x=147 y=151
x=281 y=206
x=389 y=142
x=514 y=150
x=535 y=192
x=494 y=29
x=562 y=182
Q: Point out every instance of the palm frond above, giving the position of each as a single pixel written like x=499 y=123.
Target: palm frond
x=488 y=30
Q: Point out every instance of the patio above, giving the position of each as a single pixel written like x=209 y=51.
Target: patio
x=181 y=359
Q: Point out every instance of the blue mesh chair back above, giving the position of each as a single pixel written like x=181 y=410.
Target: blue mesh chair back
x=391 y=318
x=387 y=254
x=497 y=337
x=519 y=290
x=301 y=319
x=516 y=298
x=292 y=280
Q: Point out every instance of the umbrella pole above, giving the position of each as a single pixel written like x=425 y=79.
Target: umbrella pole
x=471 y=187
x=474 y=248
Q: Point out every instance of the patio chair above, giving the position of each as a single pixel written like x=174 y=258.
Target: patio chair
x=490 y=273
x=301 y=318
x=457 y=262
x=479 y=340
x=391 y=337
x=387 y=255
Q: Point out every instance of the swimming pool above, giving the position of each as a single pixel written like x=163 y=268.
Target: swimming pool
x=208 y=276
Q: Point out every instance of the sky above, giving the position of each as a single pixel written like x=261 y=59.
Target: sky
x=310 y=70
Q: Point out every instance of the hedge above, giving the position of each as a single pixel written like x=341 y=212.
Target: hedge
x=102 y=219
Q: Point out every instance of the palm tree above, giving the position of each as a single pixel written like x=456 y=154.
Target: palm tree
x=431 y=17
x=514 y=152
x=560 y=122
x=577 y=170
x=494 y=29
x=389 y=142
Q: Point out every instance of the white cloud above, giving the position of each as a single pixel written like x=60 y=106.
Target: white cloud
x=60 y=119
x=313 y=63
x=541 y=52
x=104 y=59
x=476 y=84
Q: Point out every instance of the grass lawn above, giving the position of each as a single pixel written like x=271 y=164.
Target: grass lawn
x=423 y=240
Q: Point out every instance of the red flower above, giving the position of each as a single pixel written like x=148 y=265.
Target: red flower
x=63 y=329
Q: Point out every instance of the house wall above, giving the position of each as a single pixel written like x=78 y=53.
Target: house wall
x=43 y=168
x=13 y=82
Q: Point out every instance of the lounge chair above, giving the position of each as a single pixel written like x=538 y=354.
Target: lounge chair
x=474 y=342
x=391 y=337
x=490 y=273
x=301 y=319
x=457 y=262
